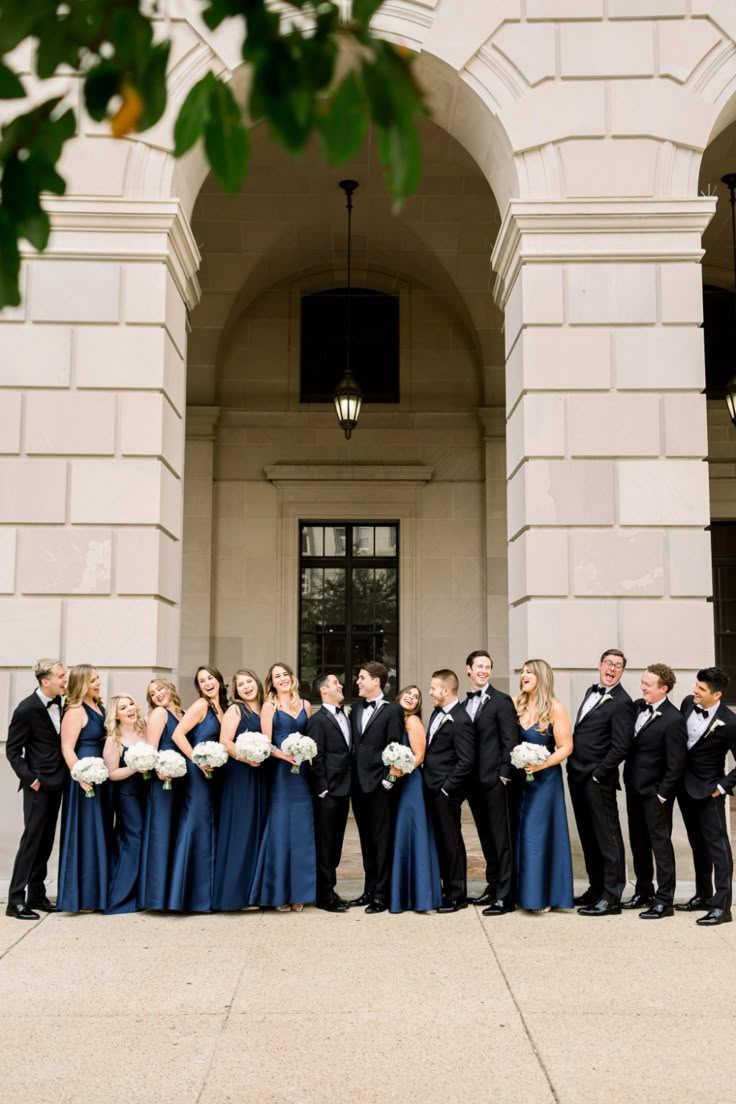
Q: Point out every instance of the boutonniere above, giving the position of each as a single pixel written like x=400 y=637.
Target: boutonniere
x=716 y=724
x=347 y=710
x=444 y=720
x=655 y=713
x=483 y=699
x=606 y=697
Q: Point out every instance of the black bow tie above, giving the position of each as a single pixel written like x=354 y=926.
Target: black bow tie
x=644 y=708
x=369 y=705
x=54 y=701
x=699 y=709
x=595 y=689
x=339 y=709
x=474 y=693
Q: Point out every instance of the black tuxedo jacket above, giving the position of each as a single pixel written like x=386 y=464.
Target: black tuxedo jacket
x=496 y=734
x=658 y=753
x=331 y=767
x=602 y=738
x=385 y=726
x=450 y=755
x=706 y=760
x=34 y=746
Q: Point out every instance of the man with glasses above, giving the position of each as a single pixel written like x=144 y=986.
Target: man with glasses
x=602 y=738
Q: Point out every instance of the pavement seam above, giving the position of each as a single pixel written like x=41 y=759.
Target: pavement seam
x=22 y=936
x=225 y=1022
x=517 y=1006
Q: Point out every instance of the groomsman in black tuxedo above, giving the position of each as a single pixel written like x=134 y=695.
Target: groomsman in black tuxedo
x=711 y=734
x=446 y=771
x=33 y=750
x=496 y=732
x=330 y=774
x=604 y=729
x=652 y=774
x=375 y=723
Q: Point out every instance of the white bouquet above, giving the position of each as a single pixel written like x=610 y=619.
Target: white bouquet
x=253 y=747
x=90 y=769
x=170 y=764
x=527 y=754
x=399 y=756
x=141 y=757
x=209 y=755
x=299 y=748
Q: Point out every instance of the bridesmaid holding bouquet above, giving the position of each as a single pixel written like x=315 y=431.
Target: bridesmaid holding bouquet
x=125 y=728
x=162 y=809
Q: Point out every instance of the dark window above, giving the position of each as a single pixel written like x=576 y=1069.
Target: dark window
x=723 y=546
x=719 y=337
x=349 y=601
x=374 y=343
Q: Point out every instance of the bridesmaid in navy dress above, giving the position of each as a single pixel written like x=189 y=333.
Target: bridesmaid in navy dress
x=544 y=863
x=85 y=822
x=162 y=807
x=286 y=871
x=415 y=869
x=244 y=801
x=125 y=727
x=193 y=866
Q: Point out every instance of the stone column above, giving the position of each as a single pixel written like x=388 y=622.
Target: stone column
x=92 y=372
x=607 y=488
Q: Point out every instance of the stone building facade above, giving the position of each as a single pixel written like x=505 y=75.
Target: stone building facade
x=546 y=461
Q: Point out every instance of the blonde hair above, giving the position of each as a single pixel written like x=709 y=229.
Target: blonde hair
x=272 y=693
x=169 y=686
x=80 y=678
x=541 y=700
x=112 y=724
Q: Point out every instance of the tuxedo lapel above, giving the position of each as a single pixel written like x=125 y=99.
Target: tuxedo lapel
x=374 y=713
x=41 y=708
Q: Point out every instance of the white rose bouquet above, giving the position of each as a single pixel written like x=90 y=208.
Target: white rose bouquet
x=209 y=755
x=400 y=757
x=141 y=757
x=170 y=764
x=299 y=748
x=527 y=754
x=90 y=769
x=253 y=747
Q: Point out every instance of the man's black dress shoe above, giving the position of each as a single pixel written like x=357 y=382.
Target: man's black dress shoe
x=359 y=902
x=487 y=897
x=333 y=905
x=21 y=912
x=452 y=906
x=601 y=908
x=695 y=904
x=377 y=905
x=638 y=901
x=715 y=916
x=657 y=912
x=590 y=897
x=43 y=905
x=498 y=908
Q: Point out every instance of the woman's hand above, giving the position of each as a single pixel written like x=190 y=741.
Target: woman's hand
x=396 y=772
x=86 y=786
x=532 y=768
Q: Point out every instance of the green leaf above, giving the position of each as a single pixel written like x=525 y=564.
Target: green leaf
x=363 y=10
x=226 y=141
x=345 y=123
x=36 y=229
x=9 y=263
x=193 y=115
x=101 y=83
x=400 y=152
x=131 y=34
x=151 y=85
x=49 y=139
x=11 y=87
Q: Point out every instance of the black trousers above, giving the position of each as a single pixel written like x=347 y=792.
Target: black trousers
x=373 y=815
x=490 y=809
x=650 y=833
x=599 y=829
x=707 y=833
x=330 y=818
x=446 y=820
x=40 y=814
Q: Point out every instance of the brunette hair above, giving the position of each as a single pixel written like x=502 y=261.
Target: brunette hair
x=376 y=670
x=234 y=687
x=272 y=693
x=417 y=710
x=221 y=693
x=479 y=654
x=715 y=678
x=173 y=693
x=448 y=677
x=613 y=652
x=664 y=673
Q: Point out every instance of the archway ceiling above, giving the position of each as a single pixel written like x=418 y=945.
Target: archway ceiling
x=718 y=159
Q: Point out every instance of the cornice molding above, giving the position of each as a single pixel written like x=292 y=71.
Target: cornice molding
x=597 y=231
x=201 y=422
x=125 y=230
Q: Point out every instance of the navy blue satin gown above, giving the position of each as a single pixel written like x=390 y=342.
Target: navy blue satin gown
x=193 y=865
x=543 y=859
x=415 y=868
x=286 y=870
x=243 y=811
x=128 y=802
x=85 y=830
x=159 y=830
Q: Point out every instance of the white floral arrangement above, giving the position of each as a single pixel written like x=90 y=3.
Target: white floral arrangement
x=141 y=757
x=170 y=764
x=209 y=755
x=253 y=747
x=400 y=757
x=299 y=748
x=90 y=769
x=527 y=754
